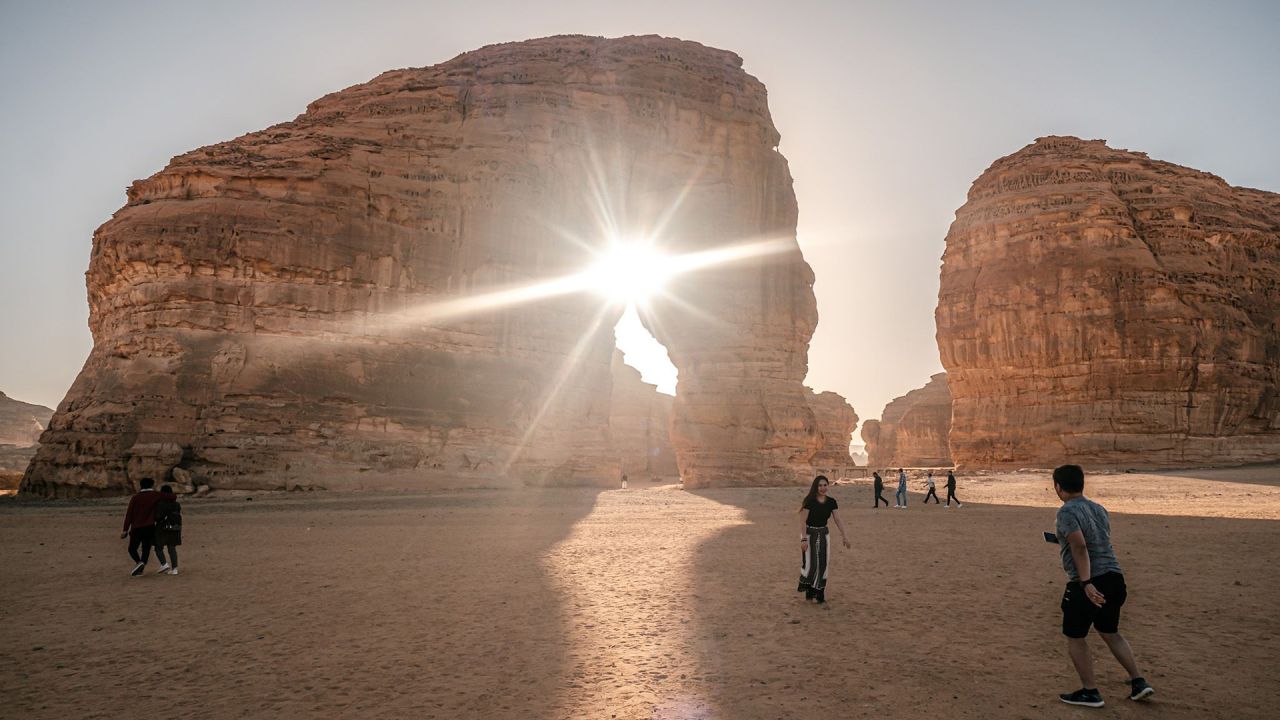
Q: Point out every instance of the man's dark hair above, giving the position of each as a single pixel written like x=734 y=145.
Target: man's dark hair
x=1069 y=477
x=145 y=483
x=166 y=488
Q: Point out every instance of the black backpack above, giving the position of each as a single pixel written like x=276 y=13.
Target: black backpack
x=169 y=516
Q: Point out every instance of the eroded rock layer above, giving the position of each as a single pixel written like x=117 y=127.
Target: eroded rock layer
x=913 y=429
x=1104 y=308
x=296 y=308
x=836 y=420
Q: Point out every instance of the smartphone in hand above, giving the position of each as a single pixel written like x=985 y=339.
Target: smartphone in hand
x=1050 y=538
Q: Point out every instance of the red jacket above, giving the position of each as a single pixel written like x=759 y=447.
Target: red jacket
x=142 y=509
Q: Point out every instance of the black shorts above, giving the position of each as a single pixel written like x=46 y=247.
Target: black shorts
x=1079 y=613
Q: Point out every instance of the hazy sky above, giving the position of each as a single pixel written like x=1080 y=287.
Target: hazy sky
x=888 y=112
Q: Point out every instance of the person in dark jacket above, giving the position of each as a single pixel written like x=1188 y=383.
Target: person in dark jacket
x=879 y=490
x=140 y=523
x=951 y=489
x=168 y=530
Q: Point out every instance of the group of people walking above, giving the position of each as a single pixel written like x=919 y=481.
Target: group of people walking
x=900 y=497
x=1095 y=589
x=153 y=519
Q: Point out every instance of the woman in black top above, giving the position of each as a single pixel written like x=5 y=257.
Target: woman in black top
x=814 y=543
x=168 y=530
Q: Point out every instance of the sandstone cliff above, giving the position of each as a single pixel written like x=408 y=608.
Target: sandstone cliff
x=836 y=420
x=1104 y=308
x=21 y=423
x=283 y=310
x=913 y=429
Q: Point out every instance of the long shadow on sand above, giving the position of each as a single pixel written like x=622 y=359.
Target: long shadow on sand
x=320 y=606
x=939 y=613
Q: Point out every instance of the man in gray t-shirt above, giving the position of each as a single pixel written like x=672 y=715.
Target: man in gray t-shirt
x=1096 y=590
x=1091 y=519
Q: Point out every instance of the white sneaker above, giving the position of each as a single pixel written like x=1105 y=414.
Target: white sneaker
x=163 y=569
x=174 y=571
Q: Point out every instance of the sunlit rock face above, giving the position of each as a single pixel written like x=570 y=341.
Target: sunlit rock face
x=1104 y=308
x=836 y=421
x=258 y=306
x=913 y=429
x=21 y=423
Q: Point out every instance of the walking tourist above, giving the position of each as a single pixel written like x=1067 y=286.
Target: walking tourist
x=879 y=490
x=1095 y=589
x=140 y=523
x=951 y=489
x=168 y=530
x=933 y=490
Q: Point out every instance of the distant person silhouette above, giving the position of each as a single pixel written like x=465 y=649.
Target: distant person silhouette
x=879 y=489
x=1095 y=588
x=900 y=497
x=951 y=489
x=815 y=546
x=168 y=530
x=933 y=490
x=140 y=523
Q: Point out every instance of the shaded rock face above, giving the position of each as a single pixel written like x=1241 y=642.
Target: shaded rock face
x=284 y=309
x=913 y=429
x=836 y=420
x=639 y=425
x=22 y=423
x=1104 y=308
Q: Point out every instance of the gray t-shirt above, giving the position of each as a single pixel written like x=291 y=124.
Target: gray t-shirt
x=1091 y=519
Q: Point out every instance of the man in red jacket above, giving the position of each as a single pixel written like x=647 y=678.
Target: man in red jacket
x=140 y=522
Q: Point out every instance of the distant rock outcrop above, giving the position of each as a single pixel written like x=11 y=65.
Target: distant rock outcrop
x=21 y=423
x=13 y=462
x=836 y=420
x=1104 y=308
x=913 y=429
x=295 y=308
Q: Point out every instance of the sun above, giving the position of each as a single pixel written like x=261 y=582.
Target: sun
x=630 y=272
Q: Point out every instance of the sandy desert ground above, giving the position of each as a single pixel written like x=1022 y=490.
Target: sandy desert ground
x=650 y=602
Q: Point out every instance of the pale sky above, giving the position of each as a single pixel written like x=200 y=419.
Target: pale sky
x=888 y=112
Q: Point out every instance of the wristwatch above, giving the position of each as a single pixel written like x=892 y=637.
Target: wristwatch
x=1083 y=583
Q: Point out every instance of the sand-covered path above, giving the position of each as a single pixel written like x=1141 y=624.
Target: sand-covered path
x=650 y=602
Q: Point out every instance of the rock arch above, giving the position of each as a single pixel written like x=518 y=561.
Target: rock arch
x=265 y=311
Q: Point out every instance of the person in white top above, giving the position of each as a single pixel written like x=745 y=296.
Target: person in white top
x=933 y=490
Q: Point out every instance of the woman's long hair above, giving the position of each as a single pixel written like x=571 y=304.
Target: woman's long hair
x=813 y=490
